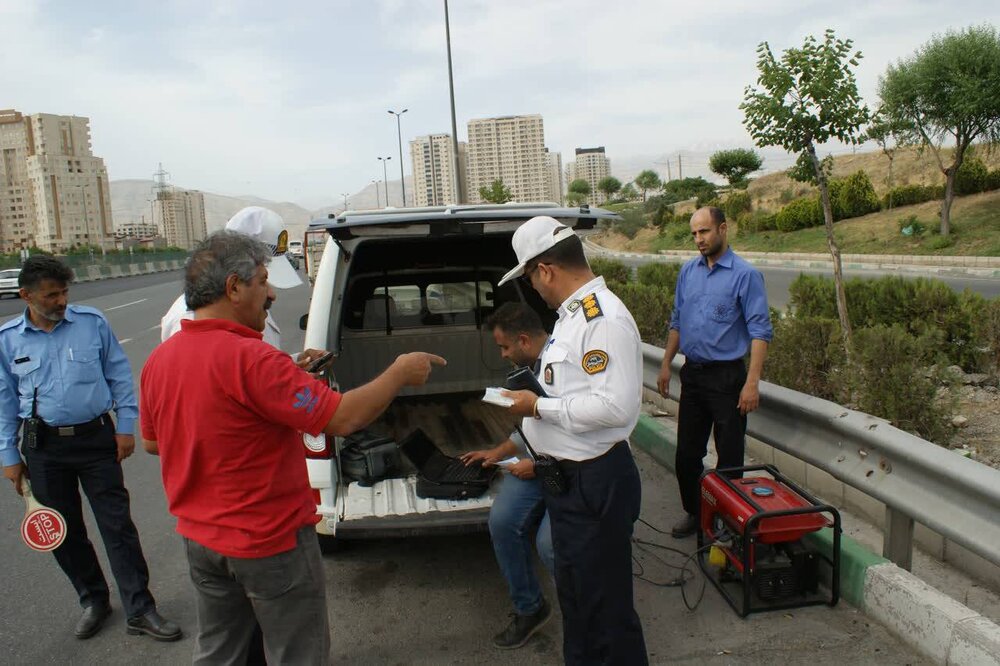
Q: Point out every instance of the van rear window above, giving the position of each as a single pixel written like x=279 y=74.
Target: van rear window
x=376 y=307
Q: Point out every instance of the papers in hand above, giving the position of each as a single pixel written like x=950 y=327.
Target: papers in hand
x=513 y=460
x=493 y=396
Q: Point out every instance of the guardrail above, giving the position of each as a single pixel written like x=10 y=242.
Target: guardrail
x=956 y=497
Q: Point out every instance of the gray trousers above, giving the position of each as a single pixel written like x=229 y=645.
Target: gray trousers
x=285 y=593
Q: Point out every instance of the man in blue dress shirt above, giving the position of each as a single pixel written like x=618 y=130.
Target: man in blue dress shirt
x=720 y=312
x=62 y=364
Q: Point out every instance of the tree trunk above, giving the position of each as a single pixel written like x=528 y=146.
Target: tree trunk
x=838 y=271
x=949 y=194
x=890 y=181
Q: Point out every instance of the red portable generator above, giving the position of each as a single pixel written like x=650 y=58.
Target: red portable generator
x=753 y=530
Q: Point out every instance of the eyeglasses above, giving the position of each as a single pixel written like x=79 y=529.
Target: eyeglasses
x=528 y=270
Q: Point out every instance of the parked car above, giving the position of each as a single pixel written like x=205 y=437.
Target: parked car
x=8 y=281
x=295 y=248
x=392 y=282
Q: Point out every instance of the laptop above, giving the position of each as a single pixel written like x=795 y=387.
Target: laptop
x=450 y=475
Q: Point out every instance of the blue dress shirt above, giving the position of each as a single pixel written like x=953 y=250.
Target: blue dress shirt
x=79 y=369
x=718 y=311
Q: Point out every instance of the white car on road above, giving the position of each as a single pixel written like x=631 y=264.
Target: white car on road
x=8 y=281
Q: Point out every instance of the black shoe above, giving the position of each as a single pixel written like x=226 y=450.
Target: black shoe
x=522 y=627
x=92 y=620
x=687 y=526
x=155 y=625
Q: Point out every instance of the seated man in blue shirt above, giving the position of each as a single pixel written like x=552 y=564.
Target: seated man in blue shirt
x=518 y=513
x=720 y=312
x=63 y=364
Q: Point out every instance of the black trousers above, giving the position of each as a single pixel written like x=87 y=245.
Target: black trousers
x=592 y=538
x=58 y=469
x=710 y=396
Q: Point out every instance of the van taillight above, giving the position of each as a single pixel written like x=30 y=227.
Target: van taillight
x=317 y=446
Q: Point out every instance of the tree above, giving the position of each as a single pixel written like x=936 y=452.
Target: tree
x=628 y=192
x=683 y=189
x=889 y=133
x=647 y=180
x=576 y=198
x=609 y=185
x=948 y=89
x=809 y=97
x=580 y=186
x=735 y=165
x=497 y=192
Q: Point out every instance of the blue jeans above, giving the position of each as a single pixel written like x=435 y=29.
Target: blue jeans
x=518 y=514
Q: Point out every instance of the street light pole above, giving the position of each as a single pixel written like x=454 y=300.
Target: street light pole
x=378 y=203
x=399 y=135
x=385 y=178
x=344 y=194
x=458 y=177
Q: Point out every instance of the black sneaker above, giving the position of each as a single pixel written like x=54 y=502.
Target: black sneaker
x=685 y=527
x=521 y=628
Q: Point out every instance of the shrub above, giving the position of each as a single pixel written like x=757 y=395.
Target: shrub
x=658 y=274
x=886 y=377
x=632 y=221
x=803 y=355
x=611 y=269
x=941 y=242
x=800 y=214
x=677 y=231
x=971 y=177
x=737 y=204
x=985 y=317
x=855 y=197
x=993 y=180
x=650 y=307
x=786 y=196
x=759 y=221
x=911 y=226
x=907 y=195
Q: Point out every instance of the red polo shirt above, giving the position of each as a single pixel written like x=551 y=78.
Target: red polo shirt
x=226 y=410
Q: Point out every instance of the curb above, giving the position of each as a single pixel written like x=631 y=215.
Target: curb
x=95 y=272
x=897 y=264
x=922 y=617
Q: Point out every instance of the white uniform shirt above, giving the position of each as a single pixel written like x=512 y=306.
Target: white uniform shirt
x=171 y=323
x=591 y=370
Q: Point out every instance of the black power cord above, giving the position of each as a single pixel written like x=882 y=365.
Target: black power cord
x=686 y=573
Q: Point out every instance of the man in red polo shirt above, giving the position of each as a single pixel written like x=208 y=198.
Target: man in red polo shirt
x=224 y=412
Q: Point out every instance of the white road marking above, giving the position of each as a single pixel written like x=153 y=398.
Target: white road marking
x=151 y=328
x=124 y=340
x=125 y=305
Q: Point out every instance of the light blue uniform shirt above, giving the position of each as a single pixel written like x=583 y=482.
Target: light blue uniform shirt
x=719 y=311
x=79 y=369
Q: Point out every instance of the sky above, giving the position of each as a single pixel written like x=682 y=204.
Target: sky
x=288 y=101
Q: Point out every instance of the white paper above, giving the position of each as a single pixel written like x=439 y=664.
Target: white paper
x=494 y=397
x=513 y=460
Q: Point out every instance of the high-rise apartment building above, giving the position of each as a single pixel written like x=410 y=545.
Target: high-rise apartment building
x=591 y=165
x=553 y=171
x=511 y=148
x=181 y=216
x=434 y=182
x=53 y=191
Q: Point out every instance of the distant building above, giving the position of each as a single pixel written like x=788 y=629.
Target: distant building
x=554 y=176
x=53 y=191
x=181 y=215
x=140 y=229
x=511 y=148
x=591 y=165
x=434 y=182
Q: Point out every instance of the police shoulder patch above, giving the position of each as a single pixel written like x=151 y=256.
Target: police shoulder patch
x=594 y=361
x=591 y=308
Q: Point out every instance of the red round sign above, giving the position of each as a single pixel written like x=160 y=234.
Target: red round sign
x=43 y=529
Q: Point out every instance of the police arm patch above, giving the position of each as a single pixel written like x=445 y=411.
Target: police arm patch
x=594 y=361
x=591 y=308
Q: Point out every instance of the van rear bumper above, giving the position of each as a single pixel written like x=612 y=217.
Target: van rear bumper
x=422 y=524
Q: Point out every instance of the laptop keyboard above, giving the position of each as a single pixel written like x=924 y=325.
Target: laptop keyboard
x=459 y=471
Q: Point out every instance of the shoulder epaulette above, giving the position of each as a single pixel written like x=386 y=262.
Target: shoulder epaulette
x=13 y=323
x=86 y=309
x=591 y=308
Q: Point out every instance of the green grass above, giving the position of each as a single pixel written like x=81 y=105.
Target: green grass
x=975 y=231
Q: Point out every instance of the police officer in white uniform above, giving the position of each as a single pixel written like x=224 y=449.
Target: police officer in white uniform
x=591 y=373
x=267 y=227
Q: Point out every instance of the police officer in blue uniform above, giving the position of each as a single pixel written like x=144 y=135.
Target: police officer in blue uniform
x=62 y=372
x=592 y=380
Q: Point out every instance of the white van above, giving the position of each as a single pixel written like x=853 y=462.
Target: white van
x=417 y=280
x=295 y=248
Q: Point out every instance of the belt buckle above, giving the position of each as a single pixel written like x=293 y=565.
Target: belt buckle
x=66 y=431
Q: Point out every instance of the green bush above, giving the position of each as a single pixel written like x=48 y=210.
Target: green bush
x=941 y=242
x=650 y=307
x=737 y=204
x=887 y=378
x=632 y=221
x=659 y=274
x=759 y=221
x=985 y=317
x=786 y=196
x=611 y=269
x=911 y=226
x=677 y=231
x=855 y=196
x=800 y=214
x=993 y=180
x=804 y=354
x=908 y=195
x=971 y=177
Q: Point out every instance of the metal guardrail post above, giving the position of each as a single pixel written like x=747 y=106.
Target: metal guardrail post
x=897 y=538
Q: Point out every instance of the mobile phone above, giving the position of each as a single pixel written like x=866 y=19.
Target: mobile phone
x=319 y=363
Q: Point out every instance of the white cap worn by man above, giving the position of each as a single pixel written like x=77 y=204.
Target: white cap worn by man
x=537 y=235
x=267 y=227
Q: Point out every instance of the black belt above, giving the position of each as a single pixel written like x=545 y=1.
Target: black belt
x=705 y=365
x=76 y=430
x=577 y=464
